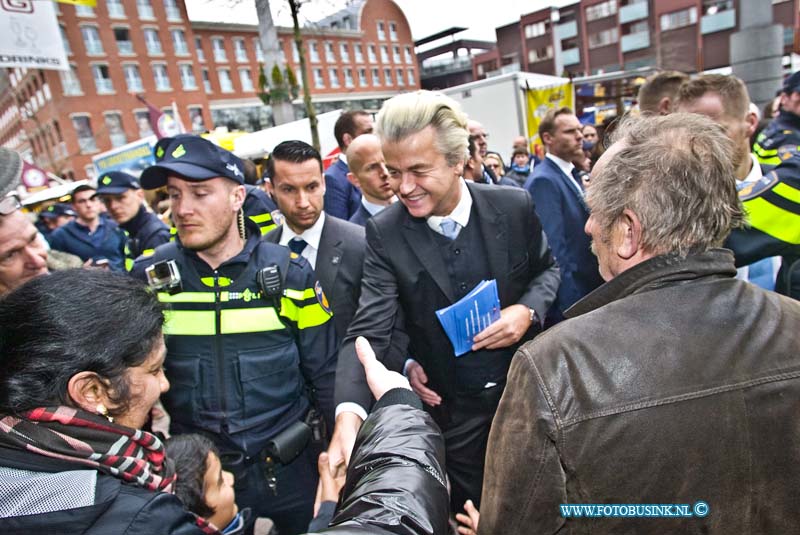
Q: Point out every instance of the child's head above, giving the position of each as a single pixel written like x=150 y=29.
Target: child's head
x=203 y=487
x=521 y=157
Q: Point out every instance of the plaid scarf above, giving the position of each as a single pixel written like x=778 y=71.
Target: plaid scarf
x=87 y=439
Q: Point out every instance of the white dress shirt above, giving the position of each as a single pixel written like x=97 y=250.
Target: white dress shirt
x=460 y=213
x=311 y=237
x=567 y=168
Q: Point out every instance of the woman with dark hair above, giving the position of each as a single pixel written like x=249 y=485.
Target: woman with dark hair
x=82 y=354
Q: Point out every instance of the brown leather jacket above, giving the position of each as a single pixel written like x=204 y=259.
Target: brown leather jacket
x=674 y=383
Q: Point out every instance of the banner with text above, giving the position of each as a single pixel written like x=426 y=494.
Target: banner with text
x=29 y=36
x=541 y=100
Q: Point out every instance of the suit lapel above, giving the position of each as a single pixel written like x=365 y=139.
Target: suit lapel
x=566 y=182
x=329 y=257
x=421 y=241
x=493 y=224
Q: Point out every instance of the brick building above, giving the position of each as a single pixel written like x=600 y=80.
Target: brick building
x=596 y=36
x=357 y=57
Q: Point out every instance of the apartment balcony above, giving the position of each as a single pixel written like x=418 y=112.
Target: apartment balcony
x=446 y=66
x=635 y=41
x=633 y=12
x=724 y=20
x=568 y=30
x=571 y=56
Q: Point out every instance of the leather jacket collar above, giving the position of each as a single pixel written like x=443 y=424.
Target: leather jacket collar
x=654 y=273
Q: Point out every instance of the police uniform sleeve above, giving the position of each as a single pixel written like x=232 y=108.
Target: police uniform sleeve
x=307 y=310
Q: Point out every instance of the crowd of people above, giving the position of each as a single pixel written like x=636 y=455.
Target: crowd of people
x=268 y=347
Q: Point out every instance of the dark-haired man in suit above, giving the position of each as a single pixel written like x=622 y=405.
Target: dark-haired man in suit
x=342 y=198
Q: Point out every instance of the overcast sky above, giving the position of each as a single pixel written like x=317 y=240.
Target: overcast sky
x=425 y=17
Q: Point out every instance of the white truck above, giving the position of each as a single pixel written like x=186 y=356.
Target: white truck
x=499 y=103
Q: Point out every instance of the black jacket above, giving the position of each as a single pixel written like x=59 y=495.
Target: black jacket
x=673 y=383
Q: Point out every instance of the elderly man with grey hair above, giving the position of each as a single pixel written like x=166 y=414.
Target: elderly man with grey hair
x=672 y=383
x=431 y=249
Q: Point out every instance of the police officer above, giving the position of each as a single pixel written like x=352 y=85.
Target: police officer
x=246 y=362
x=53 y=217
x=124 y=200
x=785 y=128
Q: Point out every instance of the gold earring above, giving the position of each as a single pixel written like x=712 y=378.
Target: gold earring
x=102 y=410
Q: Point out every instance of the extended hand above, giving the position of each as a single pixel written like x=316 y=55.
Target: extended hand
x=418 y=380
x=514 y=322
x=379 y=379
x=468 y=522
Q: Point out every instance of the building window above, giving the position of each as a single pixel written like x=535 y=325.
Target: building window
x=260 y=51
x=537 y=29
x=371 y=54
x=65 y=41
x=601 y=10
x=393 y=31
x=91 y=39
x=70 y=82
x=144 y=9
x=329 y=55
x=219 y=50
x=187 y=76
x=401 y=81
x=540 y=54
x=102 y=79
x=173 y=11
x=153 y=42
x=319 y=82
x=606 y=37
x=246 y=80
x=161 y=77
x=344 y=52
x=678 y=19
x=333 y=75
x=83 y=130
x=295 y=52
x=376 y=77
x=409 y=57
x=313 y=53
x=133 y=79
x=411 y=79
x=384 y=54
x=179 y=43
x=84 y=11
x=197 y=121
x=348 y=78
x=198 y=45
x=115 y=9
x=142 y=118
x=362 y=77
x=206 y=81
x=381 y=31
x=239 y=51
x=114 y=128
x=124 y=43
x=396 y=54
x=387 y=75
x=225 y=83
x=358 y=52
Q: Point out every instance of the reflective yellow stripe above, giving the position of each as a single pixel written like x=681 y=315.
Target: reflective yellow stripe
x=249 y=320
x=758 y=149
x=770 y=219
x=186 y=297
x=787 y=192
x=128 y=264
x=265 y=230
x=148 y=252
x=189 y=322
x=308 y=293
x=774 y=160
x=209 y=281
x=261 y=218
x=307 y=316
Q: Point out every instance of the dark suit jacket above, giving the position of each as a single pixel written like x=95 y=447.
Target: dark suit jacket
x=360 y=217
x=339 y=262
x=403 y=269
x=563 y=214
x=342 y=199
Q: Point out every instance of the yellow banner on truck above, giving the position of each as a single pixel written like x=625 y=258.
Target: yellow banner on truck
x=538 y=102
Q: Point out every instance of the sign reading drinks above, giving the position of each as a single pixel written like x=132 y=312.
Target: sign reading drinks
x=29 y=36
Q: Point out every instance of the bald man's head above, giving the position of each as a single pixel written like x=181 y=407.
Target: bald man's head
x=368 y=170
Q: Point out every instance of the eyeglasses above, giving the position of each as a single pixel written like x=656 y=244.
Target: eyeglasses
x=9 y=204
